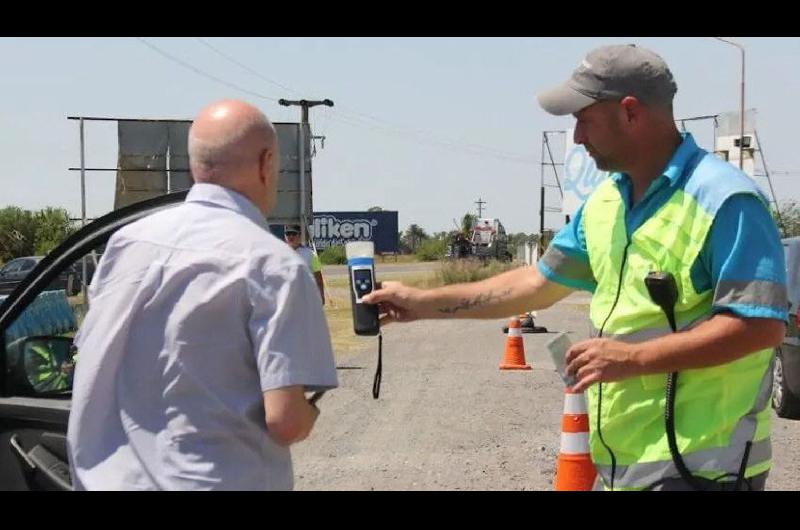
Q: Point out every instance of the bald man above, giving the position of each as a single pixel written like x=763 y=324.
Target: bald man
x=204 y=333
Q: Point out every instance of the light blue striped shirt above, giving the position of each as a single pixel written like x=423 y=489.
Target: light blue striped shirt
x=195 y=312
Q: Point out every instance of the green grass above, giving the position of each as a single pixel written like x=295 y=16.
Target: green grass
x=333 y=256
x=432 y=250
x=339 y=314
x=399 y=258
x=472 y=270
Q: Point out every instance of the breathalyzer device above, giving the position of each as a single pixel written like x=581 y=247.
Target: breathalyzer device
x=361 y=266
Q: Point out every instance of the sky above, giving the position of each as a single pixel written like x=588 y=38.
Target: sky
x=424 y=126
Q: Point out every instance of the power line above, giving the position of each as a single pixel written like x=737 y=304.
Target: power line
x=356 y=118
x=268 y=80
x=245 y=67
x=201 y=72
x=474 y=149
x=443 y=144
x=430 y=138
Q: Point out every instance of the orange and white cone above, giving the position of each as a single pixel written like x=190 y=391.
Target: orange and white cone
x=514 y=358
x=575 y=471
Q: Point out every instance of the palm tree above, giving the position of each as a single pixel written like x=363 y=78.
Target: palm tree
x=415 y=234
x=466 y=223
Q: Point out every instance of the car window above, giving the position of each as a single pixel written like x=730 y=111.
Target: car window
x=11 y=266
x=40 y=355
x=39 y=321
x=27 y=264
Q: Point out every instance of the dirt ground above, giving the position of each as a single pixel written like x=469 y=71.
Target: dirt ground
x=448 y=419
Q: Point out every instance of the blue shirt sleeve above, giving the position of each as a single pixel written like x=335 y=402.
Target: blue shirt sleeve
x=743 y=261
x=566 y=260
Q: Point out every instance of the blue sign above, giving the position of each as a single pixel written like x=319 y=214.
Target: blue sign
x=337 y=228
x=582 y=175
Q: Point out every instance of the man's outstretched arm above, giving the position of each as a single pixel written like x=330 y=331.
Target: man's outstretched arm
x=509 y=293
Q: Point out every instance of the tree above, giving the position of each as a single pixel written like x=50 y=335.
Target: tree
x=17 y=233
x=414 y=235
x=790 y=215
x=467 y=221
x=402 y=245
x=375 y=209
x=514 y=240
x=27 y=233
x=52 y=227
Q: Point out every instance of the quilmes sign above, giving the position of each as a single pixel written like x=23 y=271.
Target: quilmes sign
x=337 y=228
x=581 y=176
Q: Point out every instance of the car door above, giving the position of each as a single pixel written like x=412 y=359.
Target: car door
x=786 y=372
x=37 y=357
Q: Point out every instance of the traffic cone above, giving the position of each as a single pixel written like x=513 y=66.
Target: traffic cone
x=514 y=358
x=575 y=471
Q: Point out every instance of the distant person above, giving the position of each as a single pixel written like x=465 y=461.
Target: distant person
x=204 y=333
x=291 y=233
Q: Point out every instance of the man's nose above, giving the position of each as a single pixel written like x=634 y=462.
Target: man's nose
x=578 y=135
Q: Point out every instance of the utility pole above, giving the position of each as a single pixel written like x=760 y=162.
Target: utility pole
x=304 y=105
x=741 y=103
x=480 y=202
x=314 y=144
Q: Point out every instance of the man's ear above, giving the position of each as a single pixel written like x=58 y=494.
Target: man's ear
x=265 y=166
x=632 y=108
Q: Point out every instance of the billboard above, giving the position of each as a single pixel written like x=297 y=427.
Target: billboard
x=153 y=160
x=581 y=176
x=337 y=228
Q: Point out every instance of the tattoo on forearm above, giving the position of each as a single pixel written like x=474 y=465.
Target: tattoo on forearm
x=480 y=300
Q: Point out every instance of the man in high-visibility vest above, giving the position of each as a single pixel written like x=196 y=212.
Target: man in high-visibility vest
x=45 y=372
x=672 y=207
x=291 y=234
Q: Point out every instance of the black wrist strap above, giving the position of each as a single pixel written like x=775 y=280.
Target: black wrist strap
x=376 y=384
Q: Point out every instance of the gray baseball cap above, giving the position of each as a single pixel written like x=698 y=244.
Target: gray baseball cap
x=612 y=73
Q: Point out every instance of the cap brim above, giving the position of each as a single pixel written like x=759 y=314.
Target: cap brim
x=563 y=100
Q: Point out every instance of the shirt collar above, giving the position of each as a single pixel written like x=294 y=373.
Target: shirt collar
x=226 y=198
x=676 y=165
x=683 y=155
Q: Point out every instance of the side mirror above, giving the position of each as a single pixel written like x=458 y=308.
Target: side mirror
x=43 y=365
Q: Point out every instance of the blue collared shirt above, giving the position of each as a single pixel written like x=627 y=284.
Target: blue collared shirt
x=743 y=246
